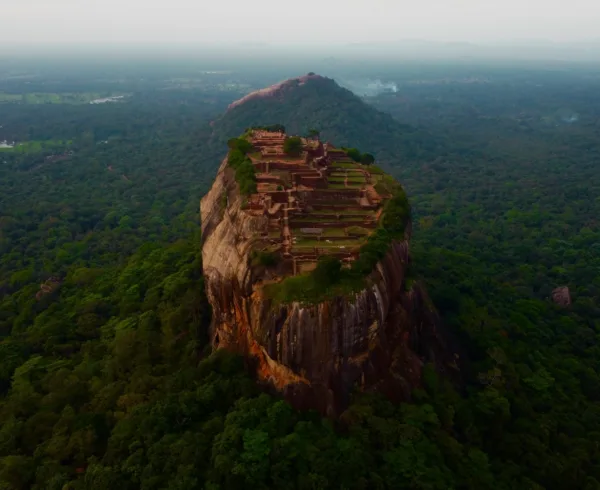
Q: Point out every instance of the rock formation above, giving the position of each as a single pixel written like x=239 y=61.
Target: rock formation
x=48 y=287
x=561 y=296
x=377 y=338
x=274 y=90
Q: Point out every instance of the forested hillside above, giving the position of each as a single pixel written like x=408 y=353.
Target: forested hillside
x=106 y=378
x=495 y=235
x=338 y=114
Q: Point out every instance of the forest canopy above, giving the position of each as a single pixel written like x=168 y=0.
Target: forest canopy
x=107 y=378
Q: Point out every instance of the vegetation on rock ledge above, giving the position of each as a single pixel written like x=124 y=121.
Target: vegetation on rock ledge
x=275 y=128
x=293 y=146
x=330 y=279
x=263 y=258
x=358 y=156
x=245 y=175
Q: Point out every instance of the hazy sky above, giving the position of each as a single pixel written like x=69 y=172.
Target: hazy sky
x=305 y=21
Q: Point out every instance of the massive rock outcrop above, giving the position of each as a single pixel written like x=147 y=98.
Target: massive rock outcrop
x=315 y=355
x=275 y=90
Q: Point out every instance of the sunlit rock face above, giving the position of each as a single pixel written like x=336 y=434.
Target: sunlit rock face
x=275 y=90
x=315 y=355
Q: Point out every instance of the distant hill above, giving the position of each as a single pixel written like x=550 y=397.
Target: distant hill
x=317 y=102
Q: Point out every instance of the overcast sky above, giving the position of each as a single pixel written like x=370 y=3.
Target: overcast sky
x=305 y=21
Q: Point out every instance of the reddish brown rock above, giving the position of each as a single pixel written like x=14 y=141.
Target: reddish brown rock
x=274 y=90
x=562 y=296
x=48 y=287
x=315 y=355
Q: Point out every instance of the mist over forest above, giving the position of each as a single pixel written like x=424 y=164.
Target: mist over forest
x=108 y=376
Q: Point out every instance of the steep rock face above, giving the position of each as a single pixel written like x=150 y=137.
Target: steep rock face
x=315 y=355
x=275 y=90
x=562 y=296
x=314 y=101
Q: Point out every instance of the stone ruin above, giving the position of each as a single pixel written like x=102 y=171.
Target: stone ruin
x=318 y=203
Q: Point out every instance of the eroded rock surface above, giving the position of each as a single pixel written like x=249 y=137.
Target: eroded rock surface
x=273 y=90
x=379 y=338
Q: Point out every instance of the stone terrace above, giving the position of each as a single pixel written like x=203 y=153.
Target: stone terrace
x=317 y=203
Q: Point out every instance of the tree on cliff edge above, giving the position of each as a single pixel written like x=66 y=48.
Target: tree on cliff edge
x=367 y=159
x=293 y=146
x=328 y=271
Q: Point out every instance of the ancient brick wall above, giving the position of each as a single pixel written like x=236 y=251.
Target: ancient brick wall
x=291 y=167
x=309 y=181
x=319 y=195
x=260 y=167
x=330 y=224
x=279 y=196
x=268 y=179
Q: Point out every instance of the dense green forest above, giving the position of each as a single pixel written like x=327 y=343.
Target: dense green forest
x=106 y=376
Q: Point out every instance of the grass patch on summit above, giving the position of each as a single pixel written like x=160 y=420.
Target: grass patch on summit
x=32 y=147
x=245 y=175
x=329 y=279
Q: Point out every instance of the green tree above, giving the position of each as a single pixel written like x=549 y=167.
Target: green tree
x=240 y=144
x=354 y=154
x=328 y=271
x=314 y=133
x=367 y=159
x=293 y=145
